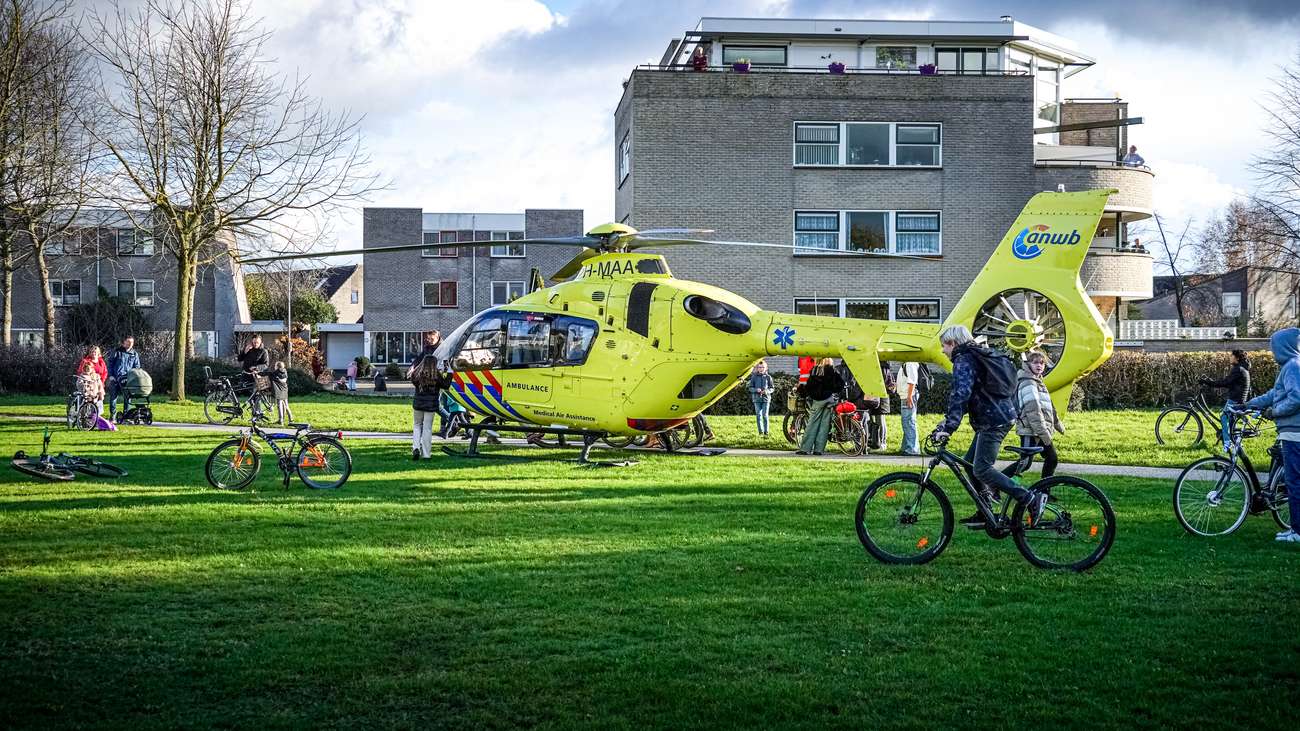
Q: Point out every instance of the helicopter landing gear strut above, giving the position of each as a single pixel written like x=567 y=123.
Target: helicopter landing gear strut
x=589 y=439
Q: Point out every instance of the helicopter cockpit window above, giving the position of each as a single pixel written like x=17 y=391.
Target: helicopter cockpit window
x=482 y=347
x=575 y=340
x=528 y=341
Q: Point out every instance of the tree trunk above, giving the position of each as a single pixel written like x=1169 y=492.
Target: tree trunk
x=184 y=297
x=7 y=309
x=47 y=299
x=189 y=305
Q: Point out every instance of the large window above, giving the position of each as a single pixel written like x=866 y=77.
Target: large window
x=1047 y=94
x=871 y=308
x=395 y=347
x=966 y=60
x=137 y=291
x=757 y=55
x=1232 y=304
x=440 y=294
x=503 y=293
x=916 y=233
x=624 y=158
x=868 y=144
x=66 y=292
x=507 y=251
x=440 y=237
x=895 y=57
x=528 y=341
x=523 y=340
x=70 y=242
x=134 y=242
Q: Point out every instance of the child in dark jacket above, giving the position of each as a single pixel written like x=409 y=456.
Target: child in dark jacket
x=280 y=389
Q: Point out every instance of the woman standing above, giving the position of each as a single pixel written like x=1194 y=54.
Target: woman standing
x=1036 y=420
x=427 y=383
x=760 y=393
x=824 y=384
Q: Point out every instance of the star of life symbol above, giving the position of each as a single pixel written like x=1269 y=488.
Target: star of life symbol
x=784 y=337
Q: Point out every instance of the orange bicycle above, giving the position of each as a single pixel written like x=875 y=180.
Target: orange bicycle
x=320 y=461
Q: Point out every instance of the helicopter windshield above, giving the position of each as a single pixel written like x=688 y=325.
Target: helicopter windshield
x=506 y=339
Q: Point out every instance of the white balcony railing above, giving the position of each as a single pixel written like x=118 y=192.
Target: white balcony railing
x=1168 y=330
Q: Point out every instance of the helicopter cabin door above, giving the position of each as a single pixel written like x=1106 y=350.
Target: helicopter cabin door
x=525 y=373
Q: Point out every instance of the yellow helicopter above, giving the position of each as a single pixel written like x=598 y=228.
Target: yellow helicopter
x=623 y=348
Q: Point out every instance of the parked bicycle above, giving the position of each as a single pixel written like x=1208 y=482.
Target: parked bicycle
x=906 y=518
x=848 y=431
x=687 y=435
x=320 y=461
x=1213 y=496
x=61 y=466
x=81 y=413
x=1184 y=424
x=226 y=402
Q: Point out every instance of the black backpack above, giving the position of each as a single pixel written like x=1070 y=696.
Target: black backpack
x=995 y=373
x=924 y=379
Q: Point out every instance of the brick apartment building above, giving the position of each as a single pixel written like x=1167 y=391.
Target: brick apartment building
x=409 y=292
x=917 y=175
x=107 y=251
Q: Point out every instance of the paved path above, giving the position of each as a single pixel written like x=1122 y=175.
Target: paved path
x=1159 y=473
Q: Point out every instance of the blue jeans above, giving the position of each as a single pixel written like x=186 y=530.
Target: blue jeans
x=983 y=454
x=761 y=405
x=1291 y=473
x=1223 y=421
x=352 y=383
x=114 y=391
x=910 y=443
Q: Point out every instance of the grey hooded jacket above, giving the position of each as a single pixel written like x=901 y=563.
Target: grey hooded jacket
x=1284 y=398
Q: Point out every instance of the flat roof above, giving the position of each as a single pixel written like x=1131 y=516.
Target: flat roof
x=473 y=221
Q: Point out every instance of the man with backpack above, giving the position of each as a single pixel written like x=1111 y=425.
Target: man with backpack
x=983 y=386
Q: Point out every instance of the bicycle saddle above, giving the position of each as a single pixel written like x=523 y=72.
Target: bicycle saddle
x=299 y=426
x=1024 y=451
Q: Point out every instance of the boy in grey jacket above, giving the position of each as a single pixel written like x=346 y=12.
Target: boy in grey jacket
x=1282 y=403
x=1036 y=418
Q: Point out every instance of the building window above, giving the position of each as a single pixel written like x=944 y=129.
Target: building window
x=915 y=233
x=395 y=347
x=205 y=343
x=624 y=157
x=138 y=292
x=439 y=294
x=440 y=237
x=816 y=230
x=66 y=292
x=29 y=339
x=757 y=55
x=868 y=144
x=134 y=242
x=355 y=297
x=871 y=308
x=507 y=251
x=896 y=57
x=816 y=144
x=966 y=60
x=67 y=243
x=1232 y=304
x=503 y=293
x=1047 y=94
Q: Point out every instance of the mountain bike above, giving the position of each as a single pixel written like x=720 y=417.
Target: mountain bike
x=906 y=518
x=61 y=466
x=1213 y=496
x=223 y=403
x=321 y=461
x=848 y=432
x=81 y=414
x=1184 y=424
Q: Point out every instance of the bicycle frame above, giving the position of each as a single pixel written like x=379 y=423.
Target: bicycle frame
x=1238 y=433
x=965 y=473
x=284 y=457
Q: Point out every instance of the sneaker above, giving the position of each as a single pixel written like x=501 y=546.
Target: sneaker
x=974 y=521
x=415 y=454
x=800 y=452
x=1288 y=536
x=1034 y=505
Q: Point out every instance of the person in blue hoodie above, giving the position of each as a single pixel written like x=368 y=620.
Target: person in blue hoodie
x=1282 y=405
x=120 y=362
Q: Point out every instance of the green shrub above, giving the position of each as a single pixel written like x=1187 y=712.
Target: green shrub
x=393 y=372
x=363 y=367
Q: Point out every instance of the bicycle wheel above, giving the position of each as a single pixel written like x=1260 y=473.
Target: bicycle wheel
x=87 y=415
x=74 y=411
x=1278 y=504
x=1179 y=426
x=619 y=442
x=1212 y=497
x=43 y=470
x=851 y=437
x=233 y=465
x=323 y=463
x=224 y=399
x=901 y=520
x=1076 y=530
x=792 y=426
x=91 y=467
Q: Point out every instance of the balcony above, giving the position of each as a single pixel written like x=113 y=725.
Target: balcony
x=1079 y=167
x=1116 y=271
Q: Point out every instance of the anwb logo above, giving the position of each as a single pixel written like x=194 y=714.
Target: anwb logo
x=1029 y=243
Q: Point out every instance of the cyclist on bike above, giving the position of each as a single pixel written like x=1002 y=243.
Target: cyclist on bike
x=1238 y=384
x=983 y=385
x=1282 y=405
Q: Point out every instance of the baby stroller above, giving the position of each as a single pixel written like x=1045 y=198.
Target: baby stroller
x=136 y=388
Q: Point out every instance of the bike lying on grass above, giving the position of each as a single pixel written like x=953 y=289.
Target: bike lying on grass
x=1214 y=495
x=321 y=461
x=905 y=518
x=61 y=466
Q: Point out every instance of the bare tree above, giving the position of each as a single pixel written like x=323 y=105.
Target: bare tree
x=1175 y=256
x=212 y=141
x=1278 y=169
x=1243 y=234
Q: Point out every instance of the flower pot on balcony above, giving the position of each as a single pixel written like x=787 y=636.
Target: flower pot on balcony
x=927 y=69
x=836 y=68
x=740 y=67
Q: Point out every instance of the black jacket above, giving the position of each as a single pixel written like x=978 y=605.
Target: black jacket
x=280 y=384
x=426 y=397
x=823 y=383
x=251 y=359
x=1237 y=382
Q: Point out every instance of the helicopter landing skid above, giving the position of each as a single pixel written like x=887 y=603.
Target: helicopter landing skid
x=588 y=440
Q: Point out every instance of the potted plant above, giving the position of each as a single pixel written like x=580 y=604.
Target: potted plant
x=927 y=69
x=836 y=67
x=741 y=66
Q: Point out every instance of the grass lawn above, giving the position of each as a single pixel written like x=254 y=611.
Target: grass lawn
x=1095 y=437
x=683 y=592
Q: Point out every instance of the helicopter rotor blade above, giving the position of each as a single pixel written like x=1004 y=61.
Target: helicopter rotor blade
x=670 y=232
x=574 y=264
x=585 y=241
x=639 y=242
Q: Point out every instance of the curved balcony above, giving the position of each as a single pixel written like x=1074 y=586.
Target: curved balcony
x=1117 y=272
x=1134 y=183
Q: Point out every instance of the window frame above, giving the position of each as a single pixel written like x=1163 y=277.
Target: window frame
x=961 y=52
x=135 y=291
x=58 y=245
x=62 y=299
x=843 y=151
x=795 y=231
x=440 y=238
x=624 y=157
x=842 y=303
x=915 y=57
x=441 y=305
x=1223 y=304
x=505 y=236
x=134 y=250
x=785 y=54
x=507 y=282
x=843 y=232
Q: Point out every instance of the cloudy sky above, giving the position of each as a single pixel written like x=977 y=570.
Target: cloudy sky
x=498 y=105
